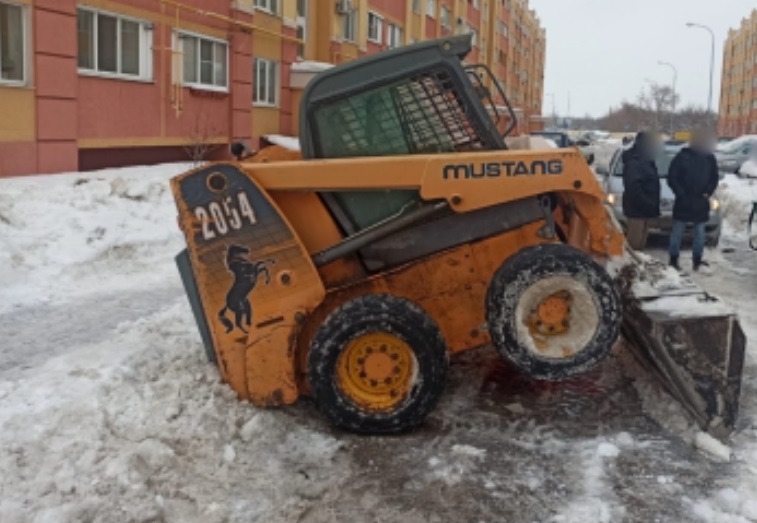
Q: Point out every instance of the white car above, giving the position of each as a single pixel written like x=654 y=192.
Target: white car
x=613 y=186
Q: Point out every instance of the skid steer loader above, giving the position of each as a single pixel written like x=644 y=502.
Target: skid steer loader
x=405 y=231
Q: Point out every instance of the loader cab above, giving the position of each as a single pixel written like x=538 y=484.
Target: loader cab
x=418 y=99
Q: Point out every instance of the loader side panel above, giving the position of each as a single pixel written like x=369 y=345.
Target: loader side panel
x=253 y=276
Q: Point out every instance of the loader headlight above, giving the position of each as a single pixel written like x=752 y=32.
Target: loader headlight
x=614 y=198
x=714 y=204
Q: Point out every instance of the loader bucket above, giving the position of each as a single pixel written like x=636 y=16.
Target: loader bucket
x=691 y=342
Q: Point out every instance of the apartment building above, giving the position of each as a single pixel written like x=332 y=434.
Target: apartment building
x=738 y=88
x=86 y=84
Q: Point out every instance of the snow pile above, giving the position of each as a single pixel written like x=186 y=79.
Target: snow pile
x=749 y=169
x=697 y=306
x=70 y=234
x=310 y=66
x=139 y=428
x=291 y=143
x=736 y=197
x=711 y=446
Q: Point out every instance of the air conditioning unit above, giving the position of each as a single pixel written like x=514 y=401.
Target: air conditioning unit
x=343 y=7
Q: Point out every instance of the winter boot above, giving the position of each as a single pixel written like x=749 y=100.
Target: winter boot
x=701 y=266
x=674 y=263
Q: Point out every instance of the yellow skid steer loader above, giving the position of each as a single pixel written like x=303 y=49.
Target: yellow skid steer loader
x=405 y=231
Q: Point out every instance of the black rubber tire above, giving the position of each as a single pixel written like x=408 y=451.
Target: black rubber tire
x=520 y=272
x=383 y=313
x=713 y=240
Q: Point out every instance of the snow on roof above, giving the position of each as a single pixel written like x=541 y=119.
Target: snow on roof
x=291 y=143
x=309 y=66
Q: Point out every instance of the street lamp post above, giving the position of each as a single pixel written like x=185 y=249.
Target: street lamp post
x=712 y=61
x=673 y=97
x=554 y=110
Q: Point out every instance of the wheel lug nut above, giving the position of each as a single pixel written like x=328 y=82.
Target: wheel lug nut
x=360 y=361
x=396 y=370
x=374 y=383
x=388 y=381
x=363 y=375
x=369 y=350
x=395 y=357
x=382 y=348
x=393 y=393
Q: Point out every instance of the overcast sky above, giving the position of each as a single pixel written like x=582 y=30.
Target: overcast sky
x=601 y=51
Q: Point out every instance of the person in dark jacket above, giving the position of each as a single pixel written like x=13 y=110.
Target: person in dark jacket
x=641 y=188
x=693 y=177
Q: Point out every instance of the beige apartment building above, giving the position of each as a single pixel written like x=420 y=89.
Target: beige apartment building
x=168 y=73
x=738 y=91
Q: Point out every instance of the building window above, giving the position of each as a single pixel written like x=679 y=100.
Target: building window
x=12 y=44
x=393 y=36
x=431 y=8
x=349 y=25
x=271 y=6
x=445 y=16
x=375 y=27
x=113 y=45
x=265 y=84
x=205 y=61
x=416 y=6
x=474 y=40
x=502 y=28
x=302 y=25
x=475 y=4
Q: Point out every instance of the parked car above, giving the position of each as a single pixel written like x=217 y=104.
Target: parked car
x=732 y=155
x=563 y=141
x=613 y=185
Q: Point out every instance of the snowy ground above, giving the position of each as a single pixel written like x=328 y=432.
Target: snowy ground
x=109 y=413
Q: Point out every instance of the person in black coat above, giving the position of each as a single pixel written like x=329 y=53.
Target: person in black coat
x=641 y=188
x=693 y=177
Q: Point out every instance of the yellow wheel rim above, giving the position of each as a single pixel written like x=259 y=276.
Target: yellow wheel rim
x=376 y=371
x=551 y=317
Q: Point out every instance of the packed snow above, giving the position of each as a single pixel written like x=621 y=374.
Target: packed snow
x=291 y=143
x=310 y=66
x=109 y=411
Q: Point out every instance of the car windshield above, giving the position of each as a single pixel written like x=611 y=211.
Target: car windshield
x=735 y=146
x=663 y=163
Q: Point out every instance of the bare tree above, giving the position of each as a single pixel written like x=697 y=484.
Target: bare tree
x=663 y=97
x=201 y=140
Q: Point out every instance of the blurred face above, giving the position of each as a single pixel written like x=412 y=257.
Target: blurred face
x=652 y=145
x=703 y=141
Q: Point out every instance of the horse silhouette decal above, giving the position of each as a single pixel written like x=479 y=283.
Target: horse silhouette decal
x=246 y=273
